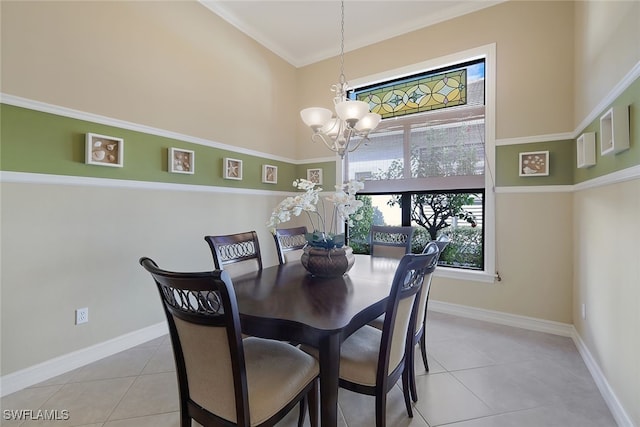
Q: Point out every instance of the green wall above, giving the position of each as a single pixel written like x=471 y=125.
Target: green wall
x=561 y=157
x=38 y=142
x=631 y=157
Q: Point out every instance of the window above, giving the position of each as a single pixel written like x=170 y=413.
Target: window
x=428 y=164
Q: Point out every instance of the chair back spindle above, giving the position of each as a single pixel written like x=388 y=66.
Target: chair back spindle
x=391 y=242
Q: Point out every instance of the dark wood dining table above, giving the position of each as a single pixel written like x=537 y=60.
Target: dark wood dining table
x=285 y=302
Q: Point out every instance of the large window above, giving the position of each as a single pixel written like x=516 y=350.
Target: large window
x=427 y=164
x=458 y=215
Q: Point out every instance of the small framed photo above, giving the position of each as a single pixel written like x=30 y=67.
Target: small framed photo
x=104 y=150
x=269 y=174
x=534 y=163
x=315 y=176
x=181 y=161
x=232 y=168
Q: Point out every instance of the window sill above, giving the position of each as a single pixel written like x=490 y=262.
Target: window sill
x=474 y=276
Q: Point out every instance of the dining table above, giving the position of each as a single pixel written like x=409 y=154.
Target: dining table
x=285 y=302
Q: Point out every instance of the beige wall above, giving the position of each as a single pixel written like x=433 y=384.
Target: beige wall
x=138 y=61
x=532 y=62
x=607 y=40
x=607 y=281
x=534 y=256
x=71 y=246
x=605 y=230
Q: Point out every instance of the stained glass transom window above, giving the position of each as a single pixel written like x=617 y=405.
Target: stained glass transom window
x=416 y=94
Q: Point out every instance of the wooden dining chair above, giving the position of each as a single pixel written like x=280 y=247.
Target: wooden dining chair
x=289 y=243
x=224 y=380
x=419 y=328
x=237 y=253
x=432 y=249
x=372 y=360
x=391 y=242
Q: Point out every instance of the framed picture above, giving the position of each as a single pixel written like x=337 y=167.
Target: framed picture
x=269 y=174
x=315 y=176
x=534 y=163
x=181 y=161
x=232 y=168
x=104 y=150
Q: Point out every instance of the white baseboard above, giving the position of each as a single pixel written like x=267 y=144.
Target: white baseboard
x=51 y=368
x=617 y=410
x=524 y=322
x=557 y=328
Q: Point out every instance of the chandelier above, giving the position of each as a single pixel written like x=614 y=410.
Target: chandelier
x=351 y=119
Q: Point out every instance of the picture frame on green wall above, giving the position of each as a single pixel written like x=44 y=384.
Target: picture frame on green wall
x=181 y=161
x=269 y=174
x=103 y=150
x=534 y=163
x=315 y=176
x=232 y=169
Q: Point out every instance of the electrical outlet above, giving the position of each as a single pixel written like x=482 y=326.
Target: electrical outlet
x=82 y=315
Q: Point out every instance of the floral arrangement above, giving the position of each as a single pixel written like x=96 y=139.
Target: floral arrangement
x=345 y=208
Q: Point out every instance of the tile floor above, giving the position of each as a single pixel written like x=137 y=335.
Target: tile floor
x=481 y=375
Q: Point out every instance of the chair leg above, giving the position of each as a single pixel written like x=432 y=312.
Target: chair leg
x=406 y=380
x=381 y=409
x=313 y=404
x=185 y=420
x=411 y=366
x=303 y=410
x=423 y=349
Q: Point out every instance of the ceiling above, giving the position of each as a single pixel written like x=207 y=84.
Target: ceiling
x=306 y=31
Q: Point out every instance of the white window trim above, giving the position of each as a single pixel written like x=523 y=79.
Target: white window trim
x=488 y=53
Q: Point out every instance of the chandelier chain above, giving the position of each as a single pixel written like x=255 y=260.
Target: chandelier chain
x=343 y=80
x=352 y=118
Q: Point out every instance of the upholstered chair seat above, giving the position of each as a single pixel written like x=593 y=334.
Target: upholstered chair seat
x=270 y=363
x=224 y=380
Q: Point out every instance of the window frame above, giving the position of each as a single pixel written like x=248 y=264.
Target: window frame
x=488 y=53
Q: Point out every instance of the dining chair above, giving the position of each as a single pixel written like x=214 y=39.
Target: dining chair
x=372 y=360
x=390 y=241
x=224 y=380
x=432 y=249
x=237 y=253
x=289 y=243
x=419 y=336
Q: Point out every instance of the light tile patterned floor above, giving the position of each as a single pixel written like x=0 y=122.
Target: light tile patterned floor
x=481 y=375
